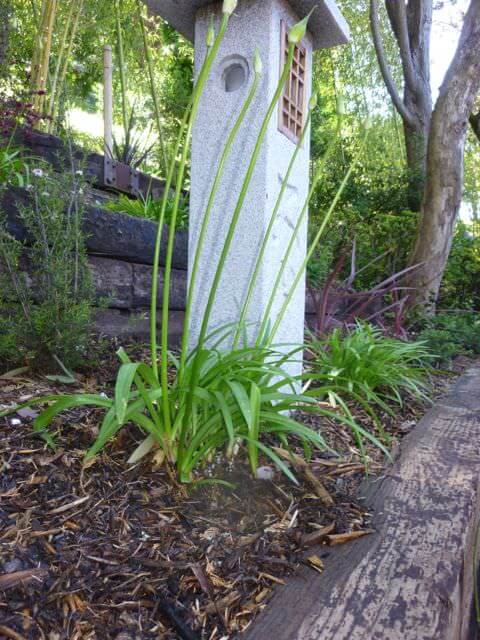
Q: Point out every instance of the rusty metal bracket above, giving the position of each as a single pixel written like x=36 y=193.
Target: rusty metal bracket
x=121 y=177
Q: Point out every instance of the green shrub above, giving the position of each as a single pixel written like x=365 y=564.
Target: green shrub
x=240 y=396
x=46 y=294
x=451 y=334
x=365 y=365
x=461 y=281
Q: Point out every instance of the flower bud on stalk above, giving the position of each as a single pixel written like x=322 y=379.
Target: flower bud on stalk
x=229 y=6
x=340 y=105
x=257 y=63
x=211 y=34
x=298 y=31
x=312 y=105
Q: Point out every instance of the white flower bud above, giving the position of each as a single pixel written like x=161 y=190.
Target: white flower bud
x=229 y=6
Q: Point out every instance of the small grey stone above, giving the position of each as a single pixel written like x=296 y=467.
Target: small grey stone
x=265 y=473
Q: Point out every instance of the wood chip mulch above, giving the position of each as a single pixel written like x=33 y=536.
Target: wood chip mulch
x=119 y=552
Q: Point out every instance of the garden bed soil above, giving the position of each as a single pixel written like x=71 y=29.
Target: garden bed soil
x=112 y=551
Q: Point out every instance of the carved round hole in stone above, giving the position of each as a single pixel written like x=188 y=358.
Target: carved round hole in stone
x=234 y=77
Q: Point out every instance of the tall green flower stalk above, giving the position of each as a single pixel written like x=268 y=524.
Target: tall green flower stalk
x=153 y=88
x=231 y=232
x=313 y=245
x=243 y=194
x=296 y=34
x=197 y=93
x=293 y=238
x=181 y=141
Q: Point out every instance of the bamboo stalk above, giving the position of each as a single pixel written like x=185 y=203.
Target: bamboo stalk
x=42 y=55
x=61 y=52
x=5 y=16
x=121 y=64
x=66 y=60
x=46 y=54
x=39 y=23
x=34 y=13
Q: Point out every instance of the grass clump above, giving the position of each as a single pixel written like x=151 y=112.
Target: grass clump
x=150 y=209
x=240 y=397
x=368 y=366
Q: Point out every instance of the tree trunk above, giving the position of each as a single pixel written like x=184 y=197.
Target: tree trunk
x=416 y=144
x=411 y=26
x=445 y=162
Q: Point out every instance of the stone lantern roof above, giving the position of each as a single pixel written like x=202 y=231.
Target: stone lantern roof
x=327 y=25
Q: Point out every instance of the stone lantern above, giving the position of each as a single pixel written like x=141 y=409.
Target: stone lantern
x=263 y=24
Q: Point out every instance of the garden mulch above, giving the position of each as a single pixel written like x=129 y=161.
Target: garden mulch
x=107 y=550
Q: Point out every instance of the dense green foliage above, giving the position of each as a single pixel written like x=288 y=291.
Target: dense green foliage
x=374 y=207
x=12 y=165
x=451 y=334
x=461 y=284
x=172 y=62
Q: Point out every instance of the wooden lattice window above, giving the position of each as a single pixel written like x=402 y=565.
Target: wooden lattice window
x=292 y=106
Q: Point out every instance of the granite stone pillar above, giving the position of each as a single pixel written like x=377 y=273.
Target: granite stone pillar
x=263 y=24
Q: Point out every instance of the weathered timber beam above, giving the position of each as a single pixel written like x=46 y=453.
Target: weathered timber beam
x=107 y=233
x=412 y=579
x=58 y=154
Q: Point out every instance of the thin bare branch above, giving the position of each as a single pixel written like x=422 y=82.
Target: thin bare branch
x=384 y=66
